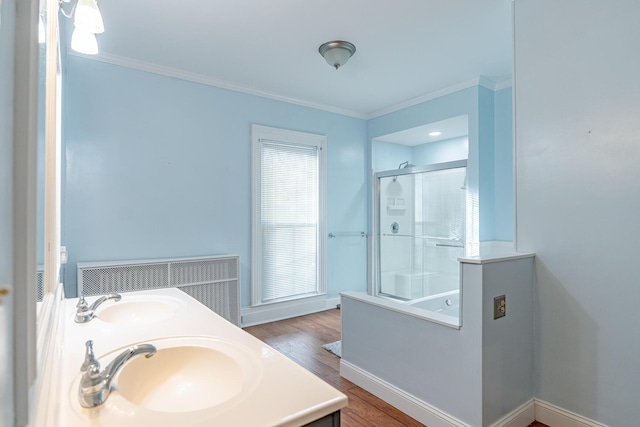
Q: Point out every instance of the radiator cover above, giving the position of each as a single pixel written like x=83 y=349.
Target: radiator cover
x=40 y=283
x=212 y=280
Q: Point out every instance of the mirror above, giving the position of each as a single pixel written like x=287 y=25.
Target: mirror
x=107 y=107
x=48 y=165
x=42 y=77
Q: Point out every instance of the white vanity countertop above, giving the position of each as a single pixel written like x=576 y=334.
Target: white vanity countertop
x=282 y=393
x=492 y=251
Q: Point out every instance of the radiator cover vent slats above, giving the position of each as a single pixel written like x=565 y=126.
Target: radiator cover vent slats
x=214 y=280
x=40 y=283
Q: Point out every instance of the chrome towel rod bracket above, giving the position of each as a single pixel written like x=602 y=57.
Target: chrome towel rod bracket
x=348 y=234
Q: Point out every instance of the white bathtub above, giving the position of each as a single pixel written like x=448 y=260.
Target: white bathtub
x=447 y=303
x=443 y=308
x=412 y=284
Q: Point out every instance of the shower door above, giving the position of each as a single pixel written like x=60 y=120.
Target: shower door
x=420 y=229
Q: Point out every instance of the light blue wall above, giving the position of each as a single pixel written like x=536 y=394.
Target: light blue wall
x=7 y=39
x=486 y=163
x=387 y=156
x=447 y=150
x=7 y=12
x=578 y=197
x=41 y=158
x=160 y=167
x=503 y=165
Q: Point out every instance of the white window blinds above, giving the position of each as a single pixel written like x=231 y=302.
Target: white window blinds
x=290 y=220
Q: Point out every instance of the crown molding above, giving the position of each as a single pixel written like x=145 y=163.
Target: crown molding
x=162 y=70
x=503 y=84
x=424 y=98
x=479 y=81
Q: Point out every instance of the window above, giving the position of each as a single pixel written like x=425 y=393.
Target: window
x=288 y=239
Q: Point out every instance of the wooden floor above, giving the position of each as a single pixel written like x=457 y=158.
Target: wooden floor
x=301 y=340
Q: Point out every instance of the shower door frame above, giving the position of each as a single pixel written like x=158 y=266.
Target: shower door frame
x=374 y=288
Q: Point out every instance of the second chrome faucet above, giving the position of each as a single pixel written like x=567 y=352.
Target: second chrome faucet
x=84 y=312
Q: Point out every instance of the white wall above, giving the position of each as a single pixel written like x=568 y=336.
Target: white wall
x=507 y=342
x=577 y=121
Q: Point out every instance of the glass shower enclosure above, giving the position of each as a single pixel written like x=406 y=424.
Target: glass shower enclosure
x=419 y=223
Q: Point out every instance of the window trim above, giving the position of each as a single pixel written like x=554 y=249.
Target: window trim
x=285 y=136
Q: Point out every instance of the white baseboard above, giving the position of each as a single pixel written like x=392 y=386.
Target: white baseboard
x=522 y=416
x=556 y=416
x=285 y=310
x=407 y=403
x=333 y=303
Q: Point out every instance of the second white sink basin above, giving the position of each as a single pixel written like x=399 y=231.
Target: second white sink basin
x=136 y=310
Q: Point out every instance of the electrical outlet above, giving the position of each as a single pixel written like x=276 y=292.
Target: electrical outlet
x=499 y=306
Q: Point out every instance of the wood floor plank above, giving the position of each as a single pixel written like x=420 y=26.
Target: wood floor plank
x=301 y=340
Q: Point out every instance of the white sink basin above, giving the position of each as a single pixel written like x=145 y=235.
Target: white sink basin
x=188 y=374
x=136 y=309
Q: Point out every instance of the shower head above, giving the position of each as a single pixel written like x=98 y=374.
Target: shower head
x=405 y=165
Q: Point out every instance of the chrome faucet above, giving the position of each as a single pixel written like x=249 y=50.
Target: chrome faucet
x=85 y=313
x=95 y=385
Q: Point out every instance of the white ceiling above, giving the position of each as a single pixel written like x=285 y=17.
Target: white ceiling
x=405 y=48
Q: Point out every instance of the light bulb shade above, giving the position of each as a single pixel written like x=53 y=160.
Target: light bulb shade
x=84 y=42
x=337 y=53
x=42 y=34
x=88 y=17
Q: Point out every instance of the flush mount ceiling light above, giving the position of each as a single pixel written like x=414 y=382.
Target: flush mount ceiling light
x=337 y=52
x=435 y=133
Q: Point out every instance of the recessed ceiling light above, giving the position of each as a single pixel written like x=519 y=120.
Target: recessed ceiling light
x=435 y=133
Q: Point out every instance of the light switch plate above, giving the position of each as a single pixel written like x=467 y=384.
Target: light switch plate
x=499 y=306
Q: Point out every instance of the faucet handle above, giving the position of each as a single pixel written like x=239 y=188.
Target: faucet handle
x=82 y=304
x=90 y=363
x=83 y=311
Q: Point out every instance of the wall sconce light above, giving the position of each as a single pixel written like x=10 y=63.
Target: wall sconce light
x=42 y=33
x=337 y=52
x=88 y=17
x=84 y=42
x=87 y=22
